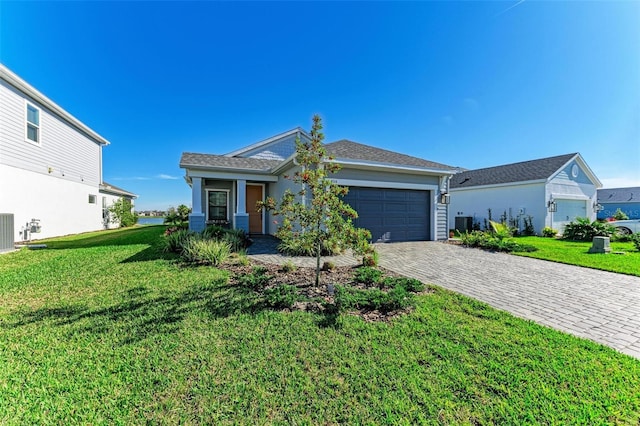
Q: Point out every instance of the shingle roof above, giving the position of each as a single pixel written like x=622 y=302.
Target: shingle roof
x=619 y=195
x=107 y=187
x=346 y=149
x=517 y=172
x=222 y=161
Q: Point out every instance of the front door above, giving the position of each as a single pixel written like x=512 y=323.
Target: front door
x=254 y=194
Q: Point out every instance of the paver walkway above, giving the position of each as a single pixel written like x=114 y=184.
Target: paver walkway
x=597 y=305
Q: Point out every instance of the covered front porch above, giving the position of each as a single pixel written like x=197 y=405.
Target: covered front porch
x=227 y=202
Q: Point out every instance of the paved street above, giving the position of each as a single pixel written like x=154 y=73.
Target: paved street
x=600 y=306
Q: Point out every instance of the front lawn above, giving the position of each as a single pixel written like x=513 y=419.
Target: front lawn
x=105 y=328
x=577 y=253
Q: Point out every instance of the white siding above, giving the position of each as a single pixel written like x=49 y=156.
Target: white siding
x=61 y=206
x=442 y=228
x=63 y=151
x=519 y=200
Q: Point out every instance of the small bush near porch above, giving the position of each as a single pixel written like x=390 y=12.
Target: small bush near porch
x=106 y=328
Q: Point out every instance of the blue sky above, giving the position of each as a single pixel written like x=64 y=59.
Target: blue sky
x=470 y=84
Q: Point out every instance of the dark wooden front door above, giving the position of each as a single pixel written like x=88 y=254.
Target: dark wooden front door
x=254 y=194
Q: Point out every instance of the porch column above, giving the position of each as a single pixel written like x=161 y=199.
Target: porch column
x=196 y=218
x=241 y=217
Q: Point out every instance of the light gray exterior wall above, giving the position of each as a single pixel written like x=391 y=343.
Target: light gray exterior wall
x=276 y=191
x=380 y=176
x=63 y=151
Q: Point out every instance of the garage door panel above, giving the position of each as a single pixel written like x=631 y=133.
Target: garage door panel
x=391 y=214
x=567 y=211
x=395 y=207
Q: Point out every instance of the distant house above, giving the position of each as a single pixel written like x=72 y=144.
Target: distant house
x=109 y=194
x=550 y=191
x=625 y=199
x=397 y=196
x=50 y=165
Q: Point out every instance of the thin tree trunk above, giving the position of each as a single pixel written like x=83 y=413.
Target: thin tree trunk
x=318 y=248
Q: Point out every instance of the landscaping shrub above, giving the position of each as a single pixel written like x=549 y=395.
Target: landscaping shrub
x=367 y=275
x=175 y=240
x=256 y=280
x=582 y=229
x=489 y=241
x=412 y=285
x=213 y=232
x=209 y=252
x=397 y=298
x=328 y=266
x=635 y=239
x=348 y=298
x=281 y=296
x=528 y=230
x=371 y=258
x=288 y=266
x=236 y=238
x=549 y=232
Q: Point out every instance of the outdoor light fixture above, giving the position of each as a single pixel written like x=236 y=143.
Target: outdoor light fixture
x=597 y=207
x=552 y=206
x=445 y=198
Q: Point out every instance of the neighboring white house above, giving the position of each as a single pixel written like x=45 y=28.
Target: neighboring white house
x=109 y=194
x=551 y=191
x=50 y=164
x=397 y=196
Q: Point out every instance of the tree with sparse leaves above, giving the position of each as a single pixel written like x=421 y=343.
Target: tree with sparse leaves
x=316 y=217
x=122 y=212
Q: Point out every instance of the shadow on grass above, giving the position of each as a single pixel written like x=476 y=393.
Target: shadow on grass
x=141 y=314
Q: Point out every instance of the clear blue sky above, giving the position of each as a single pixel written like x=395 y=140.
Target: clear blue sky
x=470 y=84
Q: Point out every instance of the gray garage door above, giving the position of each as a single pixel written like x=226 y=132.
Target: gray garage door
x=391 y=214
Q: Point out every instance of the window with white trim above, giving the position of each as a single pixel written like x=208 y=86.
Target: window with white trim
x=218 y=205
x=92 y=199
x=32 y=131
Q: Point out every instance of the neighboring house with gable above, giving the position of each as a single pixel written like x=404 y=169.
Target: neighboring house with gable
x=397 y=196
x=552 y=191
x=110 y=194
x=625 y=199
x=50 y=165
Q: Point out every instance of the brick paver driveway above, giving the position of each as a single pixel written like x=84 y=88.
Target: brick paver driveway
x=597 y=305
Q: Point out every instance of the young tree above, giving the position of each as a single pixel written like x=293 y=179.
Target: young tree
x=121 y=212
x=316 y=217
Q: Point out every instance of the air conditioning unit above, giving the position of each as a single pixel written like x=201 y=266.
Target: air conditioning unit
x=34 y=226
x=6 y=232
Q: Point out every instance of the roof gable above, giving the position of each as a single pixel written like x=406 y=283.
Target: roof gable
x=349 y=150
x=541 y=169
x=278 y=147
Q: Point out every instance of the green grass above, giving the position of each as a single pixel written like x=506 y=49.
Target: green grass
x=104 y=328
x=577 y=253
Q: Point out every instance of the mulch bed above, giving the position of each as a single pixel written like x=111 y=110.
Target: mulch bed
x=304 y=279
